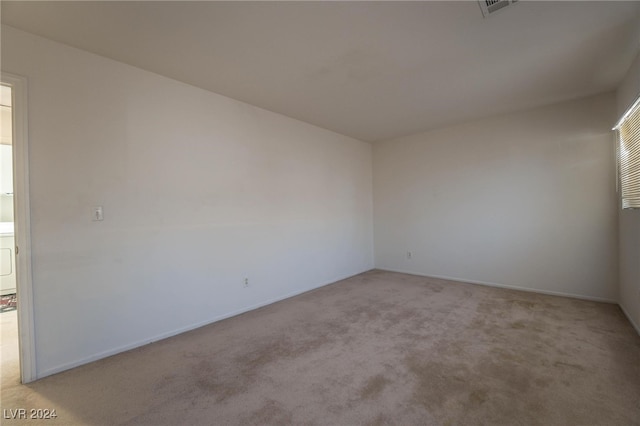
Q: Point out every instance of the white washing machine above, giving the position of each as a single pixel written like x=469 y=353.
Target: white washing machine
x=7 y=259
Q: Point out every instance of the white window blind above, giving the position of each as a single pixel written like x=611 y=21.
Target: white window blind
x=629 y=156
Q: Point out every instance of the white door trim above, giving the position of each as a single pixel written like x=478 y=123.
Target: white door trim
x=22 y=218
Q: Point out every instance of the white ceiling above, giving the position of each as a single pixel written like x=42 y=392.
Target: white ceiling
x=370 y=70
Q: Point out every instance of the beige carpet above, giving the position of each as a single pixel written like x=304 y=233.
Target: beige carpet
x=379 y=348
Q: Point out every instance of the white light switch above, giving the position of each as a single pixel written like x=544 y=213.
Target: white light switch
x=97 y=213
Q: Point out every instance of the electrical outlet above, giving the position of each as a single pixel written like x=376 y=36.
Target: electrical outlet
x=246 y=282
x=409 y=255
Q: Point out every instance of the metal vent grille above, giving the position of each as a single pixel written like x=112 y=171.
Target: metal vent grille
x=491 y=6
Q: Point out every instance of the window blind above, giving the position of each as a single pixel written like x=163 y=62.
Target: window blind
x=629 y=156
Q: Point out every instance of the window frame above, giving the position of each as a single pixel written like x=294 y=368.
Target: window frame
x=628 y=170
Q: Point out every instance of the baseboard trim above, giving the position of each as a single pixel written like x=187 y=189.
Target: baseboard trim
x=511 y=287
x=633 y=323
x=162 y=336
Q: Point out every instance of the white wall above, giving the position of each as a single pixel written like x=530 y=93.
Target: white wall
x=6 y=182
x=628 y=92
x=524 y=200
x=6 y=160
x=6 y=208
x=199 y=191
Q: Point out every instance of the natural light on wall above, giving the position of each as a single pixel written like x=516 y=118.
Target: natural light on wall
x=629 y=156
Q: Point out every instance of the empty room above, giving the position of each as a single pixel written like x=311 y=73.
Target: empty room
x=320 y=213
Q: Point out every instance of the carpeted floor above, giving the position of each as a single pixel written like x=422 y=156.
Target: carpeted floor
x=378 y=348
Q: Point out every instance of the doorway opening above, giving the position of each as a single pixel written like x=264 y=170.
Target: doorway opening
x=9 y=346
x=17 y=346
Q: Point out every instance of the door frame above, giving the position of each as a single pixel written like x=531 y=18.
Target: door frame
x=22 y=225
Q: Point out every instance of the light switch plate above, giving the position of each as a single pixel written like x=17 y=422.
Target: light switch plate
x=97 y=214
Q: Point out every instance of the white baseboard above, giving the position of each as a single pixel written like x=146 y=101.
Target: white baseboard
x=124 y=348
x=633 y=323
x=512 y=287
x=181 y=330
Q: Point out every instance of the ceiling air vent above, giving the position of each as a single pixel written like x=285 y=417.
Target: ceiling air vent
x=491 y=6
